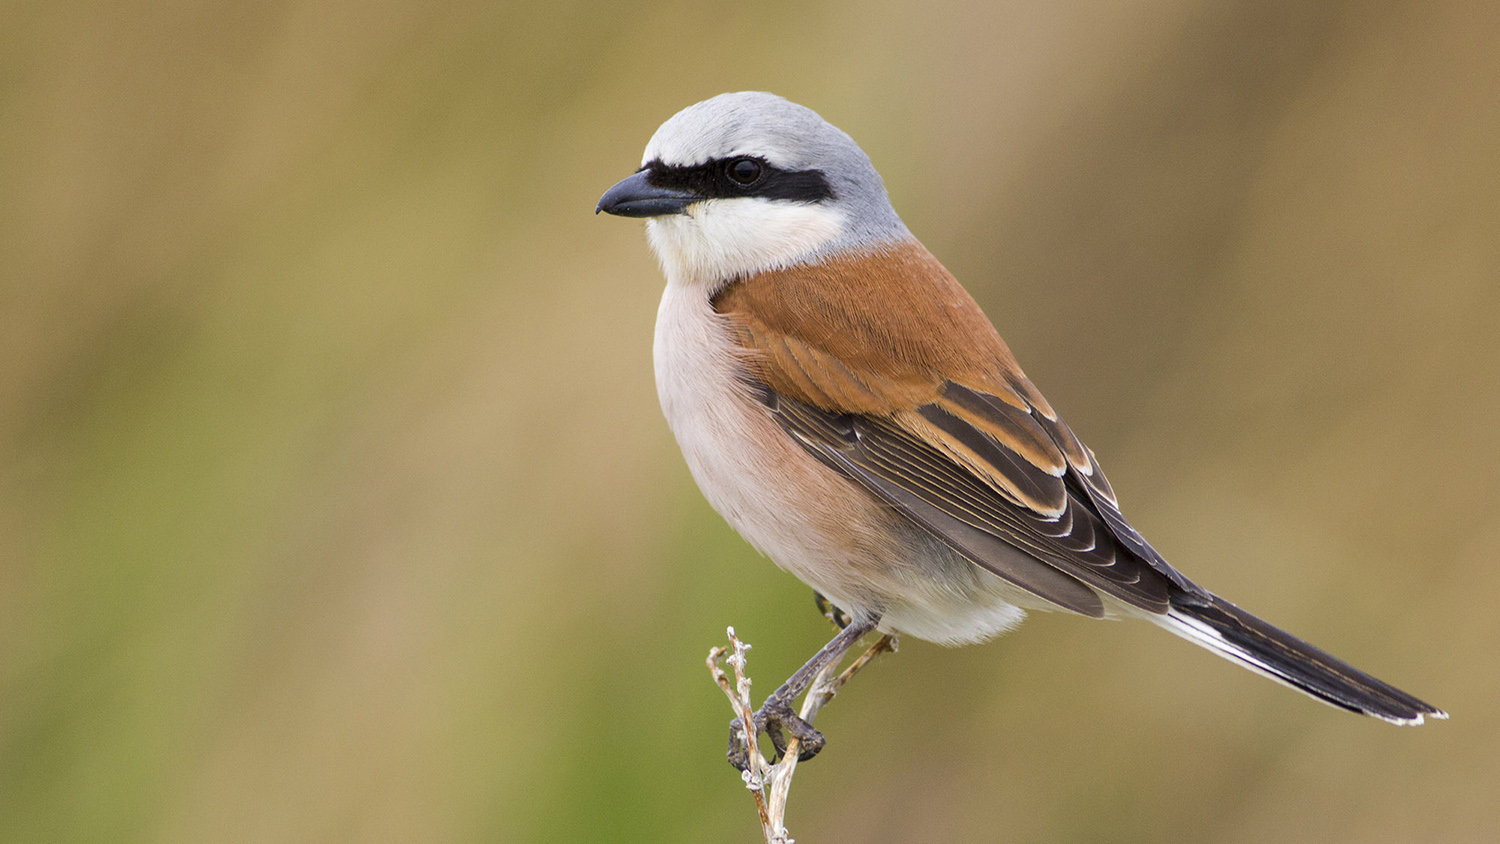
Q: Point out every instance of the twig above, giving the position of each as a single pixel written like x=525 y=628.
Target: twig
x=772 y=784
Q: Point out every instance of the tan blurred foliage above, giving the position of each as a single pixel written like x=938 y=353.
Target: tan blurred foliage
x=335 y=503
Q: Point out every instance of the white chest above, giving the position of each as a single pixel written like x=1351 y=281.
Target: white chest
x=729 y=441
x=770 y=490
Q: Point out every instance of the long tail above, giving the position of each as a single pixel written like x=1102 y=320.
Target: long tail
x=1239 y=636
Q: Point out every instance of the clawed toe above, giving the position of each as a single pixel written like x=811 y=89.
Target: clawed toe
x=777 y=720
x=782 y=724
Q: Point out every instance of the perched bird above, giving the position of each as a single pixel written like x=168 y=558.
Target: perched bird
x=843 y=402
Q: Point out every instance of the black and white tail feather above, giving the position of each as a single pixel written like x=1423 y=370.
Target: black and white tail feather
x=1240 y=637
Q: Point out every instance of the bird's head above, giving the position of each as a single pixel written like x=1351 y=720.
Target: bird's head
x=749 y=182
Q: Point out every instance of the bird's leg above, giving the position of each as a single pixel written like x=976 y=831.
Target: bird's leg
x=776 y=714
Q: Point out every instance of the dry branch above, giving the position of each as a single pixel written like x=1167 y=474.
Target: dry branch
x=771 y=784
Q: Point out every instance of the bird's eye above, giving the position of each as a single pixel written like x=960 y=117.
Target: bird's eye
x=744 y=171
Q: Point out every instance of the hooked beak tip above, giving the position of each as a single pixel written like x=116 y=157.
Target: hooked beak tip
x=635 y=196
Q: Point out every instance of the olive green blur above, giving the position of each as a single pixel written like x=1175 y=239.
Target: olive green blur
x=336 y=504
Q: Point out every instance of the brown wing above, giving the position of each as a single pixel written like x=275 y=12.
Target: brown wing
x=915 y=397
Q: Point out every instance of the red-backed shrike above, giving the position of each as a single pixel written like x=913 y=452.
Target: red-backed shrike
x=843 y=402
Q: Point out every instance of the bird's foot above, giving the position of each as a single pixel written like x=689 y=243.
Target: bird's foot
x=839 y=618
x=777 y=720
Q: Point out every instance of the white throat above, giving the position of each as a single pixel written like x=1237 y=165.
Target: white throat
x=720 y=239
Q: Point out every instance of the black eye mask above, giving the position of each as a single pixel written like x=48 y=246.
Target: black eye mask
x=721 y=178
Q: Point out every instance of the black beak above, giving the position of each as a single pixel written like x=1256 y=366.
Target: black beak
x=634 y=197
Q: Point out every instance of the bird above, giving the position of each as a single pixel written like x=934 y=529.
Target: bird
x=844 y=403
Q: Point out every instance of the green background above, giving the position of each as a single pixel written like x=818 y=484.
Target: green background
x=336 y=505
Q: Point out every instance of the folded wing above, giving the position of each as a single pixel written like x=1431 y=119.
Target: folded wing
x=920 y=402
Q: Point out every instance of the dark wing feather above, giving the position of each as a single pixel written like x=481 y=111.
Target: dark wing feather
x=1075 y=552
x=933 y=491
x=1084 y=474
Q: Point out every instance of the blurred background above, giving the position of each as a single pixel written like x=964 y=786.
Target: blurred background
x=336 y=504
